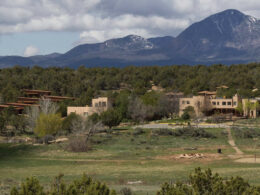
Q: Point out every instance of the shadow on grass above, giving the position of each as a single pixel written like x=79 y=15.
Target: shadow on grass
x=8 y=151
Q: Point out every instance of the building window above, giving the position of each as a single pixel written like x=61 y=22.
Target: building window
x=96 y=104
x=214 y=103
x=188 y=102
x=99 y=104
x=183 y=102
x=224 y=103
x=217 y=103
x=235 y=103
x=229 y=103
x=104 y=104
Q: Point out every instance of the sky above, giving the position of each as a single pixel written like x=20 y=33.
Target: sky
x=39 y=27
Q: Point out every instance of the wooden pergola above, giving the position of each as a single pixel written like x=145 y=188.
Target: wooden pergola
x=32 y=98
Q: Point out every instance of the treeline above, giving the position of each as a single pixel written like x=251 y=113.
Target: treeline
x=199 y=182
x=85 y=83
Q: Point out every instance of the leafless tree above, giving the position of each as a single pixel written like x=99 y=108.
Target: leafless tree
x=32 y=114
x=46 y=106
x=136 y=109
x=84 y=127
x=167 y=105
x=1 y=99
x=92 y=128
x=78 y=125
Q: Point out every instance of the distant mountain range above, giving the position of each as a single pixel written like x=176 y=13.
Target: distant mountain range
x=228 y=37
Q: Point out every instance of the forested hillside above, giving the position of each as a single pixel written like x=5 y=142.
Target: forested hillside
x=85 y=83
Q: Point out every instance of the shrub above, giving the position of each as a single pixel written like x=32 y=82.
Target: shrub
x=138 y=131
x=126 y=191
x=110 y=118
x=48 y=124
x=78 y=144
x=207 y=183
x=30 y=187
x=185 y=132
x=193 y=132
x=185 y=116
x=85 y=185
x=94 y=118
x=68 y=122
x=246 y=133
x=163 y=132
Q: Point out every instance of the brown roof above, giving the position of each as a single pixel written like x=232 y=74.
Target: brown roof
x=173 y=93
x=15 y=107
x=35 y=92
x=208 y=92
x=20 y=104
x=222 y=87
x=59 y=97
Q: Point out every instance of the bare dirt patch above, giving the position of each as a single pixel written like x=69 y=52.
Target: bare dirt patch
x=192 y=156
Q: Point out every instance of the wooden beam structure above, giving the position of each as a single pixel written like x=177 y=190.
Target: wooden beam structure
x=58 y=97
x=34 y=96
x=20 y=104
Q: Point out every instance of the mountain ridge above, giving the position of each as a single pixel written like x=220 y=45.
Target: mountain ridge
x=226 y=37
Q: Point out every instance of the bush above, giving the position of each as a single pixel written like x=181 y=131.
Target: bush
x=68 y=121
x=185 y=116
x=207 y=183
x=185 y=132
x=110 y=118
x=85 y=185
x=193 y=132
x=48 y=124
x=30 y=187
x=245 y=133
x=78 y=144
x=126 y=191
x=163 y=132
x=94 y=118
x=138 y=131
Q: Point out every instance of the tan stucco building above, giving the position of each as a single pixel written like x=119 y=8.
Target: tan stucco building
x=251 y=107
x=207 y=102
x=99 y=105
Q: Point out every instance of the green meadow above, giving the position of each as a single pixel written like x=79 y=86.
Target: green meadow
x=126 y=155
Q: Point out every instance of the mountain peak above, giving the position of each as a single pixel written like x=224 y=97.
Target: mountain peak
x=230 y=12
x=129 y=42
x=134 y=37
x=232 y=15
x=221 y=25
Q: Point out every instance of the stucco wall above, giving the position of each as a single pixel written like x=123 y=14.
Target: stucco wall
x=99 y=105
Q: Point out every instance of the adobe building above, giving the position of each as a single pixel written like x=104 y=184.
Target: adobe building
x=206 y=102
x=251 y=107
x=99 y=105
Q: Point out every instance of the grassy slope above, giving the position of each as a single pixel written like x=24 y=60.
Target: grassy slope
x=248 y=145
x=120 y=158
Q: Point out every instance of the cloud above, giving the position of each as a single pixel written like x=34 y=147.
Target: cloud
x=98 y=20
x=31 y=51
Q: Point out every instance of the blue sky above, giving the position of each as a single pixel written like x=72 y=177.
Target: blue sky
x=48 y=42
x=34 y=27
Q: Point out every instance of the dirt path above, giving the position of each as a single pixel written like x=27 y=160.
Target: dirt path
x=232 y=143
